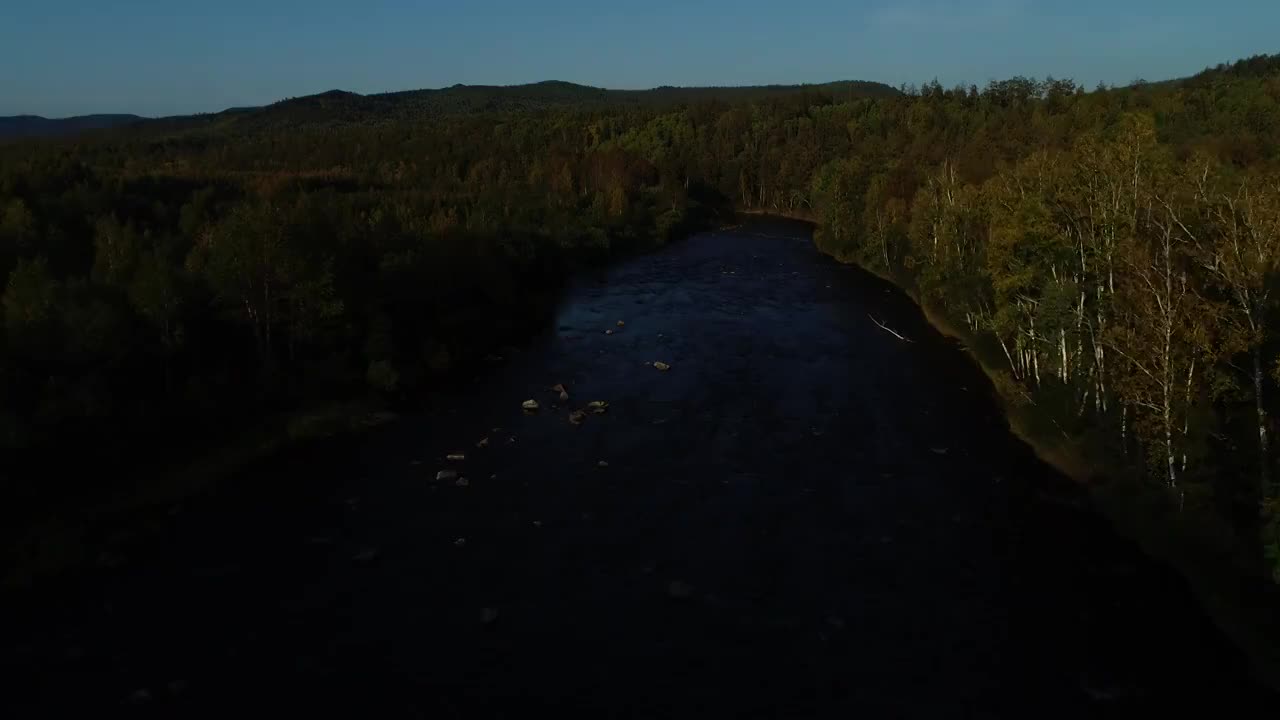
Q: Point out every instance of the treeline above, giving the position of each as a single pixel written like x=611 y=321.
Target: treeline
x=1113 y=250
x=161 y=293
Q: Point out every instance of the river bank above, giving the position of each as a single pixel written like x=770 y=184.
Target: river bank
x=1242 y=604
x=86 y=533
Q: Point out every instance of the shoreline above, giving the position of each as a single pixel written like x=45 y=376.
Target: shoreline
x=1236 y=602
x=61 y=539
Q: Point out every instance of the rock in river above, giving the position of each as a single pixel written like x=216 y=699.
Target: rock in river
x=679 y=589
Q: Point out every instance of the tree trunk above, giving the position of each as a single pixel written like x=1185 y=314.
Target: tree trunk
x=1124 y=429
x=1062 y=338
x=1168 y=441
x=1012 y=365
x=1186 y=417
x=884 y=247
x=1166 y=397
x=1035 y=354
x=1264 y=449
x=1102 y=382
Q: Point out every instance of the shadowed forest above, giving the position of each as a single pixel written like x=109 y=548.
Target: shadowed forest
x=1112 y=253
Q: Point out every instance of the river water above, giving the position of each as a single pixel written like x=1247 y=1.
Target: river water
x=803 y=516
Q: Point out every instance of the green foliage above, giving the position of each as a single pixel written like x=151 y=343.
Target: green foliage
x=29 y=298
x=17 y=225
x=382 y=377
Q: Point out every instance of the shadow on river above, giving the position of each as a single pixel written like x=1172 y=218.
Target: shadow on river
x=803 y=516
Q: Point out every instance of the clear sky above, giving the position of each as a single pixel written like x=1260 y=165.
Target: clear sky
x=162 y=57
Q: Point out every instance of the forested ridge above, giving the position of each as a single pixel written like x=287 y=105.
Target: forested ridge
x=337 y=108
x=1113 y=251
x=21 y=126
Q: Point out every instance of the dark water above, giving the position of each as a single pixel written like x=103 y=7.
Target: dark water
x=803 y=516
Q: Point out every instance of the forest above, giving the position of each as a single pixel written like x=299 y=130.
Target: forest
x=1113 y=252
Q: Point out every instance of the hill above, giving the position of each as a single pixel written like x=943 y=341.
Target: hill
x=22 y=126
x=339 y=107
x=336 y=108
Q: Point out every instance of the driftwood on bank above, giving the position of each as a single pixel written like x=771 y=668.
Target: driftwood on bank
x=888 y=329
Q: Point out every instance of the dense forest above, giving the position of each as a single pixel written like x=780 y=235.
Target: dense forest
x=1113 y=252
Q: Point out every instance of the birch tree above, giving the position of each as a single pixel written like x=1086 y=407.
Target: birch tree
x=1240 y=250
x=1163 y=334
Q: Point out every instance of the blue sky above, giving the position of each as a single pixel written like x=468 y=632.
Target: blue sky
x=153 y=57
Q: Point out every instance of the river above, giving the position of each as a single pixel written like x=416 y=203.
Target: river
x=805 y=515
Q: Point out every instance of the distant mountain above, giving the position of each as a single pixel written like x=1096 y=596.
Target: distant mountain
x=23 y=126
x=339 y=107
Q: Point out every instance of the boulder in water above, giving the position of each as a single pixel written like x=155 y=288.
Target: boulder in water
x=679 y=590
